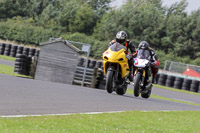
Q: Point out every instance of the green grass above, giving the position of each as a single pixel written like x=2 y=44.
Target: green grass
x=124 y=122
x=7 y=58
x=130 y=91
x=9 y=70
x=173 y=89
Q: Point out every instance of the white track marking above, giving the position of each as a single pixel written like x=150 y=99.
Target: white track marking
x=15 y=116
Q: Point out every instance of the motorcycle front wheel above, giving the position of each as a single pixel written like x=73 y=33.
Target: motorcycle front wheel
x=109 y=81
x=137 y=81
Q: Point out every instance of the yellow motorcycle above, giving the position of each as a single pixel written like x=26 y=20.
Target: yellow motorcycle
x=116 y=69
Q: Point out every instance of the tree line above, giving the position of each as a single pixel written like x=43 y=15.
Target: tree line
x=171 y=31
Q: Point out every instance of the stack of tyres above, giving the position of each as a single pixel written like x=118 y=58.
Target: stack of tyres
x=13 y=51
x=178 y=83
x=28 y=65
x=2 y=48
x=92 y=64
x=162 y=79
x=100 y=80
x=7 y=49
x=80 y=62
x=194 y=86
x=31 y=52
x=170 y=81
x=37 y=52
x=186 y=84
x=88 y=63
x=20 y=50
x=26 y=51
x=199 y=88
x=22 y=64
x=99 y=64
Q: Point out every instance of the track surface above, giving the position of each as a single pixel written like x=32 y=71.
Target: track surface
x=21 y=96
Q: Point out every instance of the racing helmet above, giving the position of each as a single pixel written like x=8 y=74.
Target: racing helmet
x=121 y=36
x=143 y=45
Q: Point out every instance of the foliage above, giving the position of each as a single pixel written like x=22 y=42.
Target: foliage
x=171 y=31
x=22 y=31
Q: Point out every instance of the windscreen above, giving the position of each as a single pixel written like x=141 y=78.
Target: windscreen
x=143 y=54
x=117 y=47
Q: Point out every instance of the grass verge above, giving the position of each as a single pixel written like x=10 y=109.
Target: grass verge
x=130 y=91
x=173 y=89
x=9 y=70
x=7 y=58
x=124 y=122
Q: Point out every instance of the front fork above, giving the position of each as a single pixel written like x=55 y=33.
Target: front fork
x=142 y=78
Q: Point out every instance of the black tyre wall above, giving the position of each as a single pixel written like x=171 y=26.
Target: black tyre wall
x=31 y=52
x=178 y=83
x=186 y=84
x=2 y=48
x=170 y=81
x=7 y=49
x=22 y=64
x=99 y=64
x=13 y=51
x=80 y=62
x=162 y=79
x=26 y=51
x=20 y=50
x=194 y=86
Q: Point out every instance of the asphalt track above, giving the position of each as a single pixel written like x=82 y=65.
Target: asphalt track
x=21 y=96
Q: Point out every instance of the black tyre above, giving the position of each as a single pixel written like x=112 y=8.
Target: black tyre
x=146 y=94
x=194 y=86
x=109 y=81
x=137 y=82
x=178 y=83
x=20 y=50
x=162 y=79
x=170 y=81
x=80 y=62
x=2 y=48
x=99 y=64
x=186 y=84
x=121 y=91
x=92 y=64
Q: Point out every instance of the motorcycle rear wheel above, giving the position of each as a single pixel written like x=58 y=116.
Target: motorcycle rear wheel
x=137 y=81
x=121 y=90
x=109 y=81
x=146 y=94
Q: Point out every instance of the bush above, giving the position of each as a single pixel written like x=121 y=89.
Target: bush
x=23 y=32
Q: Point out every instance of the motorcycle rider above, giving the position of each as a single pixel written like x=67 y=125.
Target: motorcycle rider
x=121 y=37
x=154 y=59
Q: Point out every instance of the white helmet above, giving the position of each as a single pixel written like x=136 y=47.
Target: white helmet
x=121 y=37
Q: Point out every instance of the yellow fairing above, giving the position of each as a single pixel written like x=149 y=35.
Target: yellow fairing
x=116 y=57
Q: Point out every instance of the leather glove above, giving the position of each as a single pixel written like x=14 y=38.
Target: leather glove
x=129 y=56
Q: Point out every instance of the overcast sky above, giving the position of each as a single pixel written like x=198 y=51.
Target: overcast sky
x=192 y=4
